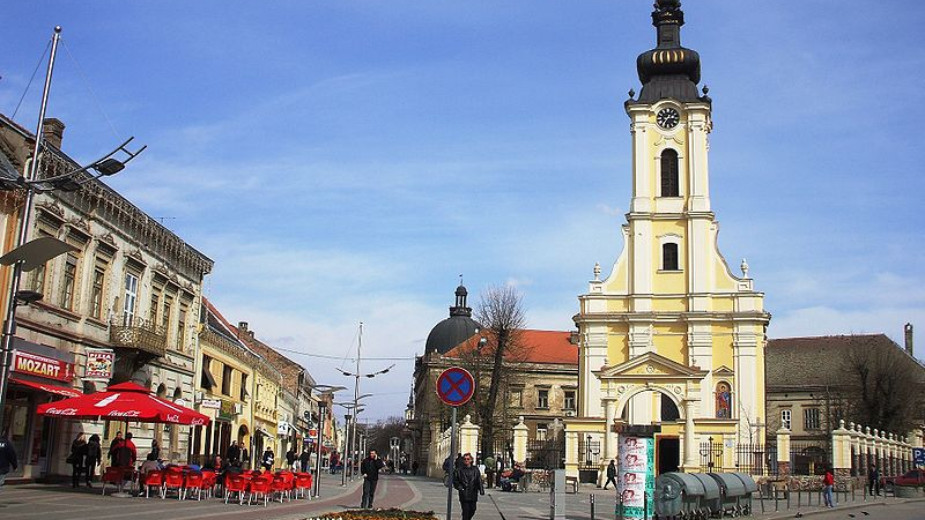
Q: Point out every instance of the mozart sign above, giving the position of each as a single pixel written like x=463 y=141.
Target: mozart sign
x=41 y=366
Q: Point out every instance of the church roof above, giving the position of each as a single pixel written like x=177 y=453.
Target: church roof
x=455 y=329
x=669 y=70
x=539 y=346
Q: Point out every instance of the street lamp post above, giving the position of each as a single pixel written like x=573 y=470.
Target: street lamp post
x=355 y=407
x=27 y=256
x=356 y=393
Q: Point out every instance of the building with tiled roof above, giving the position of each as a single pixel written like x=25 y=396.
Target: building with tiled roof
x=810 y=388
x=540 y=386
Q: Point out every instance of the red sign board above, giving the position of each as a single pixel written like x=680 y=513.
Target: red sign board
x=41 y=366
x=455 y=386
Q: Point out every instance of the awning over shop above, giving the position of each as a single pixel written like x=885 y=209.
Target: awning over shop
x=66 y=391
x=265 y=433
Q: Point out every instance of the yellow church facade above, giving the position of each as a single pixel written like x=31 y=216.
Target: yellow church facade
x=671 y=341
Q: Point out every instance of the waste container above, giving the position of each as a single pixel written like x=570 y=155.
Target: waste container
x=685 y=495
x=750 y=487
x=732 y=491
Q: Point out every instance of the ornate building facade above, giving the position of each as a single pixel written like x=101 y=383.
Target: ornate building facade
x=671 y=340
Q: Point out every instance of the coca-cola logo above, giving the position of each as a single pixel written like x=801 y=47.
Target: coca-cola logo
x=173 y=418
x=61 y=411
x=197 y=422
x=127 y=413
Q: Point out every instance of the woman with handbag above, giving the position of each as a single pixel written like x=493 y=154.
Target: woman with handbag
x=77 y=458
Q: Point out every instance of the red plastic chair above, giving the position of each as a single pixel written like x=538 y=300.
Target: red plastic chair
x=262 y=485
x=173 y=479
x=209 y=479
x=236 y=483
x=154 y=478
x=302 y=482
x=194 y=482
x=112 y=475
x=282 y=486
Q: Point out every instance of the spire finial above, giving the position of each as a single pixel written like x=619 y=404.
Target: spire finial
x=744 y=267
x=597 y=271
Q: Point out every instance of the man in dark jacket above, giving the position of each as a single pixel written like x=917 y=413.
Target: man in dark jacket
x=369 y=468
x=291 y=457
x=268 y=459
x=8 y=460
x=233 y=453
x=468 y=481
x=305 y=461
x=611 y=474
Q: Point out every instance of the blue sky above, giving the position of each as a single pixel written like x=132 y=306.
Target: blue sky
x=346 y=161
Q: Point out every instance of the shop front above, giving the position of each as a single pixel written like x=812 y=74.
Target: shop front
x=39 y=374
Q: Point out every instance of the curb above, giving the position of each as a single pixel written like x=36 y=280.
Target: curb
x=781 y=515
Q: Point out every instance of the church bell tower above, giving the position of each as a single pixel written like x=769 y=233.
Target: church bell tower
x=671 y=338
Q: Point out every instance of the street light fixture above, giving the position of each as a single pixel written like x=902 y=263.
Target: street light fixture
x=28 y=256
x=351 y=434
x=322 y=407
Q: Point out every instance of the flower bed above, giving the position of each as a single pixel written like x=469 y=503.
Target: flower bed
x=380 y=514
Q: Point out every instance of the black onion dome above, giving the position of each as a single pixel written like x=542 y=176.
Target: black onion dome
x=454 y=330
x=669 y=70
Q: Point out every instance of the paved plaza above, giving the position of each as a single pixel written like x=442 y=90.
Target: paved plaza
x=54 y=502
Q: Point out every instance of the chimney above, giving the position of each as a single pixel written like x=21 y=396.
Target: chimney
x=242 y=326
x=908 y=330
x=53 y=131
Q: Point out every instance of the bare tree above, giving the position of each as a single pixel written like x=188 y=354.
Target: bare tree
x=883 y=385
x=501 y=314
x=381 y=433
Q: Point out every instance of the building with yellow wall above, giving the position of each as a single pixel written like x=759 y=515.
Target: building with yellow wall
x=671 y=340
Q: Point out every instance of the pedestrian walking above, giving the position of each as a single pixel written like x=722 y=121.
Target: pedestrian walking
x=468 y=482
x=233 y=453
x=828 y=483
x=8 y=460
x=113 y=448
x=306 y=460
x=369 y=468
x=291 y=457
x=611 y=474
x=77 y=458
x=267 y=459
x=94 y=458
x=873 y=480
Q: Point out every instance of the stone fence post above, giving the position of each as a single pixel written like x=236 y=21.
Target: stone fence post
x=783 y=452
x=520 y=441
x=469 y=437
x=841 y=451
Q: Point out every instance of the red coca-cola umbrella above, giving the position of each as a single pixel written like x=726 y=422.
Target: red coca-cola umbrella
x=127 y=402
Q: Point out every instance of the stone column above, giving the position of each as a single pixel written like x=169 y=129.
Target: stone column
x=783 y=451
x=468 y=437
x=610 y=441
x=520 y=441
x=571 y=452
x=691 y=464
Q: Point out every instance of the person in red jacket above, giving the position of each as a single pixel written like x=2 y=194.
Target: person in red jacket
x=828 y=483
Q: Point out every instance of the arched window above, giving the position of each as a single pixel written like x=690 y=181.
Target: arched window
x=670 y=257
x=723 y=401
x=670 y=185
x=669 y=409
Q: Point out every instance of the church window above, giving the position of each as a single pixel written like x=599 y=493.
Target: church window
x=670 y=410
x=723 y=401
x=670 y=257
x=670 y=183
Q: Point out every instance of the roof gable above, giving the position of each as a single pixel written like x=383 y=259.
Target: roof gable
x=650 y=365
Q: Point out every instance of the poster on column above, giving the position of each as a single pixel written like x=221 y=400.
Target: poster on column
x=636 y=475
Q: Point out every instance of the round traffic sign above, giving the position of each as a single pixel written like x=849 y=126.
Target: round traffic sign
x=455 y=386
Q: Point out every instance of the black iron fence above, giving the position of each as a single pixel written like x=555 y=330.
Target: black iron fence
x=711 y=456
x=547 y=454
x=809 y=458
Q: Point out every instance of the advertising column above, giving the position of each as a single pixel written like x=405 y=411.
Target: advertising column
x=636 y=474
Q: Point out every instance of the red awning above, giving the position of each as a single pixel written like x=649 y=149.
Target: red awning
x=67 y=391
x=124 y=402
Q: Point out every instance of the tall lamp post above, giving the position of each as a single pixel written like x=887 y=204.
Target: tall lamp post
x=28 y=256
x=355 y=408
x=322 y=407
x=356 y=382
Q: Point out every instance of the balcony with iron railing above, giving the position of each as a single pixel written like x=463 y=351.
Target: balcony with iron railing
x=132 y=332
